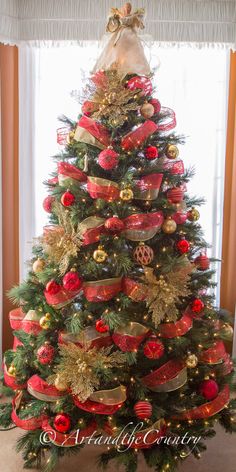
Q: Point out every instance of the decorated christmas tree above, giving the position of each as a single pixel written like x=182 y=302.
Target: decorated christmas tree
x=116 y=335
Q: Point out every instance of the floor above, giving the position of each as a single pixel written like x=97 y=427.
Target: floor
x=220 y=456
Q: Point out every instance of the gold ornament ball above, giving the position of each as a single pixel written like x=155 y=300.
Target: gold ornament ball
x=38 y=265
x=126 y=194
x=60 y=386
x=48 y=316
x=147 y=110
x=12 y=370
x=191 y=361
x=100 y=255
x=44 y=322
x=171 y=151
x=169 y=226
x=193 y=214
x=227 y=332
x=70 y=137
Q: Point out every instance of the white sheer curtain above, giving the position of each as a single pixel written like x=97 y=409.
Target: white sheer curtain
x=191 y=81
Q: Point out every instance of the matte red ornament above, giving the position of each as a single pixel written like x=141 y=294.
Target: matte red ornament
x=53 y=287
x=72 y=281
x=62 y=422
x=209 y=389
x=151 y=152
x=45 y=354
x=153 y=349
x=197 y=305
x=143 y=254
x=67 y=199
x=179 y=217
x=108 y=159
x=202 y=262
x=101 y=327
x=143 y=409
x=88 y=108
x=156 y=104
x=142 y=83
x=175 y=195
x=47 y=203
x=114 y=224
x=183 y=246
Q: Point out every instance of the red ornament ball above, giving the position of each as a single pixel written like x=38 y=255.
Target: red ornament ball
x=156 y=104
x=53 y=287
x=142 y=83
x=153 y=349
x=202 y=262
x=45 y=354
x=151 y=152
x=175 y=195
x=114 y=224
x=62 y=422
x=209 y=389
x=197 y=305
x=72 y=281
x=47 y=203
x=179 y=217
x=183 y=246
x=143 y=254
x=67 y=199
x=143 y=409
x=88 y=108
x=101 y=327
x=108 y=159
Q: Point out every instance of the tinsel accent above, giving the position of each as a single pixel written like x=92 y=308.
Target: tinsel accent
x=62 y=242
x=78 y=367
x=165 y=292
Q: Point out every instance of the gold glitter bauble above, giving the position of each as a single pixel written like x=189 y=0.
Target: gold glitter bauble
x=70 y=137
x=227 y=332
x=100 y=255
x=193 y=214
x=61 y=386
x=147 y=110
x=169 y=226
x=12 y=370
x=191 y=361
x=38 y=265
x=171 y=151
x=48 y=316
x=44 y=322
x=126 y=194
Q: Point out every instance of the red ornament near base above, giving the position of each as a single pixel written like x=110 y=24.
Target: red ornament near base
x=114 y=224
x=101 y=327
x=197 y=305
x=53 y=287
x=209 y=389
x=153 y=349
x=202 y=262
x=71 y=281
x=143 y=409
x=151 y=152
x=67 y=199
x=108 y=159
x=47 y=203
x=62 y=422
x=183 y=246
x=45 y=354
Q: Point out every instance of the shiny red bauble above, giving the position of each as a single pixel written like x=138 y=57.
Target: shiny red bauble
x=183 y=246
x=202 y=262
x=114 y=224
x=151 y=152
x=209 y=389
x=108 y=159
x=143 y=409
x=88 y=108
x=45 y=354
x=72 y=281
x=140 y=82
x=53 y=287
x=47 y=203
x=179 y=217
x=153 y=349
x=197 y=305
x=67 y=199
x=62 y=422
x=156 y=104
x=101 y=327
x=175 y=195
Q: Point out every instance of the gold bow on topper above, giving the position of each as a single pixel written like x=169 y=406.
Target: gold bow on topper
x=124 y=18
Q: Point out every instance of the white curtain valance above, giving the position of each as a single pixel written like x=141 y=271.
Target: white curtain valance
x=169 y=21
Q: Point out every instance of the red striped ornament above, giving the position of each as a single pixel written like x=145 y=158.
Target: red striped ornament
x=143 y=409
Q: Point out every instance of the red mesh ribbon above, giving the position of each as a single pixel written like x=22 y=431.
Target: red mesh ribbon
x=41 y=390
x=29 y=424
x=176 y=167
x=148 y=186
x=103 y=188
x=15 y=317
x=207 y=409
x=138 y=136
x=215 y=354
x=91 y=229
x=100 y=79
x=60 y=299
x=102 y=290
x=134 y=290
x=68 y=170
x=96 y=408
x=90 y=335
x=18 y=320
x=129 y=337
x=97 y=130
x=170 y=120
x=164 y=374
x=10 y=381
x=71 y=439
x=172 y=330
x=62 y=134
x=16 y=343
x=31 y=327
x=144 y=221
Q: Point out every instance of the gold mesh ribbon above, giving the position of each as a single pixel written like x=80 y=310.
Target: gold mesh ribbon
x=109 y=397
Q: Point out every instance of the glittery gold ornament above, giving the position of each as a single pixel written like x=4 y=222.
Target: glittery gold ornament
x=191 y=361
x=169 y=226
x=60 y=385
x=12 y=370
x=126 y=194
x=193 y=214
x=100 y=255
x=227 y=332
x=38 y=265
x=171 y=151
x=44 y=322
x=70 y=137
x=48 y=316
x=147 y=110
